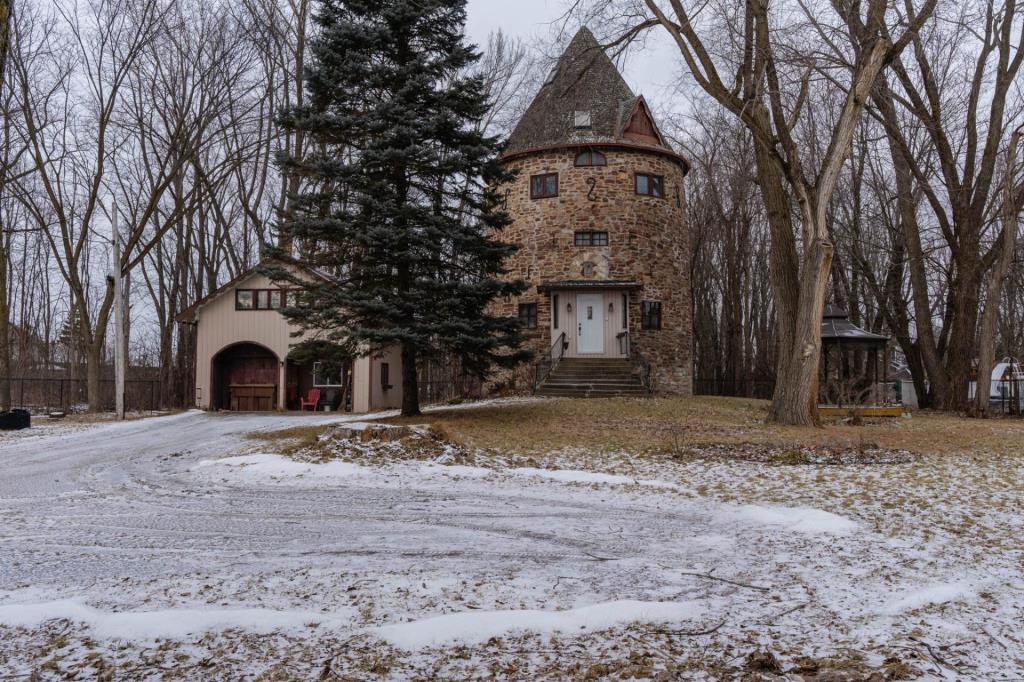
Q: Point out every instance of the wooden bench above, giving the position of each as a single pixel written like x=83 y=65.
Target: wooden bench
x=252 y=397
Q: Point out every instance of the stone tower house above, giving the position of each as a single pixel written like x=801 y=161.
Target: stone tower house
x=599 y=214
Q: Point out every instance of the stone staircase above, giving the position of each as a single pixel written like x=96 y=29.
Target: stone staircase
x=593 y=378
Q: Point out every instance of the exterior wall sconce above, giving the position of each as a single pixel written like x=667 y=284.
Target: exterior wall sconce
x=569 y=307
x=611 y=307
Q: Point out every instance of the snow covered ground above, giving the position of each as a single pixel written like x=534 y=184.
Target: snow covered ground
x=176 y=548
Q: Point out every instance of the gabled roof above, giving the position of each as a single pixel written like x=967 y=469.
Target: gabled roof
x=584 y=80
x=189 y=313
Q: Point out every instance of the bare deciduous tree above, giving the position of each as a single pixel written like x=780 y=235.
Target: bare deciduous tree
x=766 y=84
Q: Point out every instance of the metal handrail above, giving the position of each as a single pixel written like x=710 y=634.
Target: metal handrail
x=544 y=368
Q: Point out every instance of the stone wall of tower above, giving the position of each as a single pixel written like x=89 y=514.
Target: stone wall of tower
x=649 y=243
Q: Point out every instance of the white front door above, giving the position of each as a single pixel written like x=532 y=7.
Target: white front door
x=590 y=323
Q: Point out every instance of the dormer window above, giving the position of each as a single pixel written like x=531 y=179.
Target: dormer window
x=581 y=120
x=261 y=299
x=589 y=158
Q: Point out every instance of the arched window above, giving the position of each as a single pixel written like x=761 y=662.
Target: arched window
x=591 y=158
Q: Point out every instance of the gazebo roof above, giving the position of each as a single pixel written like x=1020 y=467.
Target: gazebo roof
x=836 y=328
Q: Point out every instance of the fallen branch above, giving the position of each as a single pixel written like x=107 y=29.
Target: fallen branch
x=594 y=557
x=776 y=617
x=651 y=647
x=694 y=633
x=935 y=656
x=708 y=576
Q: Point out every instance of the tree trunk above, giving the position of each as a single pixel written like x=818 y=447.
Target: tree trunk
x=94 y=342
x=796 y=391
x=783 y=266
x=5 y=332
x=5 y=310
x=1008 y=242
x=907 y=205
x=410 y=381
x=963 y=325
x=93 y=363
x=5 y=32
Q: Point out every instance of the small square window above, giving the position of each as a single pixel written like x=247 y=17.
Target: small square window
x=591 y=238
x=528 y=315
x=581 y=120
x=544 y=186
x=326 y=374
x=650 y=315
x=650 y=185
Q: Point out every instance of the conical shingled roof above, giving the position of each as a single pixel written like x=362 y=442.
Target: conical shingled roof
x=584 y=80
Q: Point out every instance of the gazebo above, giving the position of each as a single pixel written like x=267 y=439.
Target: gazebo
x=843 y=339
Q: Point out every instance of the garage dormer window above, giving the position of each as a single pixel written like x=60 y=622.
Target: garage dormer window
x=259 y=299
x=544 y=186
x=581 y=120
x=590 y=158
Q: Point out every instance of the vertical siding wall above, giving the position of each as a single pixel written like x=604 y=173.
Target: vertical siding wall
x=611 y=312
x=220 y=326
x=367 y=392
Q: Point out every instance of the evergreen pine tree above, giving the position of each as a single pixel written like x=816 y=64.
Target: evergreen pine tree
x=398 y=202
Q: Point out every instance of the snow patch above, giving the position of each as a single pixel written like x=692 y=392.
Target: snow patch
x=799 y=519
x=476 y=627
x=574 y=476
x=276 y=466
x=167 y=623
x=939 y=593
x=456 y=470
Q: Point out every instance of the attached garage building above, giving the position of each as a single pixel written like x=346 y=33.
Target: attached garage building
x=243 y=344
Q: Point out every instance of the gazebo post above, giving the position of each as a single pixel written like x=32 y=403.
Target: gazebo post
x=842 y=373
x=885 y=370
x=824 y=348
x=874 y=375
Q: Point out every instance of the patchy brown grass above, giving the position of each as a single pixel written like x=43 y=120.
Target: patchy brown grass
x=671 y=424
x=288 y=441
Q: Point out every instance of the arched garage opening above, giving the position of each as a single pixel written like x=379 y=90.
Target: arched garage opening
x=245 y=378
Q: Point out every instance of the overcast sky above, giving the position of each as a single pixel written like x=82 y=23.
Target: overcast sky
x=653 y=72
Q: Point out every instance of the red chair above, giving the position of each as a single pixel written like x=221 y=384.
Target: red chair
x=311 y=401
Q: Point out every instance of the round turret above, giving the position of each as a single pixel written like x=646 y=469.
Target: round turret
x=598 y=212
